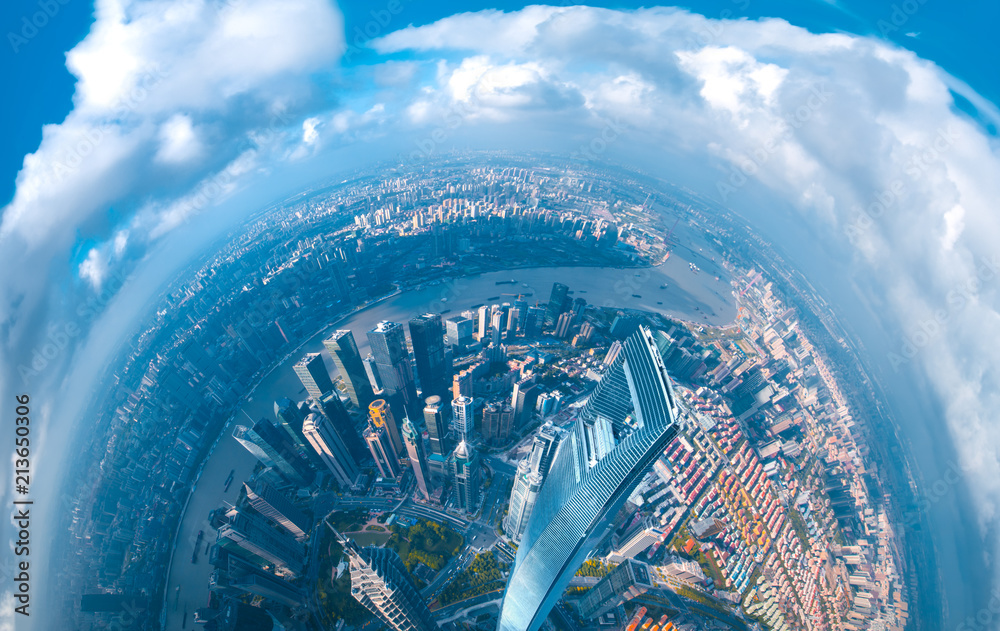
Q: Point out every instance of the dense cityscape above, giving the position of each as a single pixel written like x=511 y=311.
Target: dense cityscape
x=535 y=457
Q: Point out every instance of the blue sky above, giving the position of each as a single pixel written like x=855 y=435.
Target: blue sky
x=960 y=37
x=190 y=113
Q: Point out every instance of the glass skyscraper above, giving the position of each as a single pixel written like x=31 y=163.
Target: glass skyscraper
x=574 y=507
x=380 y=582
x=392 y=359
x=346 y=357
x=427 y=338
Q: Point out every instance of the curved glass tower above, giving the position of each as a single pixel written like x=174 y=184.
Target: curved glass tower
x=575 y=504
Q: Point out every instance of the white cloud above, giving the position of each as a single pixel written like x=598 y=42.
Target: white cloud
x=178 y=140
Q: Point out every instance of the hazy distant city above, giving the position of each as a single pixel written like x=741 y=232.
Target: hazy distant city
x=492 y=392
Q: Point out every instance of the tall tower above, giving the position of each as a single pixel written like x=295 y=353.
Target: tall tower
x=464 y=465
x=388 y=342
x=332 y=448
x=269 y=502
x=436 y=418
x=290 y=419
x=313 y=375
x=527 y=484
x=382 y=451
x=253 y=536
x=275 y=449
x=346 y=357
x=418 y=460
x=380 y=582
x=427 y=337
x=380 y=415
x=556 y=301
x=575 y=505
x=463 y=410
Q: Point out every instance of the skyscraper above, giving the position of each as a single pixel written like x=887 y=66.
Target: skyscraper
x=371 y=369
x=527 y=484
x=385 y=456
x=380 y=582
x=524 y=398
x=388 y=342
x=290 y=419
x=427 y=338
x=465 y=474
x=463 y=410
x=563 y=324
x=252 y=536
x=313 y=375
x=436 y=417
x=380 y=415
x=620 y=585
x=418 y=459
x=332 y=449
x=459 y=330
x=573 y=508
x=333 y=409
x=269 y=502
x=556 y=301
x=344 y=350
x=274 y=448
x=498 y=422
x=641 y=536
x=483 y=323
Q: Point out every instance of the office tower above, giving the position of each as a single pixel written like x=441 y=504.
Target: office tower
x=269 y=502
x=620 y=585
x=332 y=449
x=520 y=314
x=239 y=616
x=496 y=320
x=527 y=484
x=382 y=451
x=556 y=300
x=388 y=342
x=461 y=384
x=380 y=414
x=290 y=419
x=374 y=380
x=235 y=576
x=459 y=330
x=641 y=536
x=380 y=582
x=333 y=409
x=544 y=446
x=427 y=338
x=524 y=397
x=465 y=475
x=576 y=503
x=252 y=536
x=498 y=421
x=534 y=321
x=616 y=347
x=624 y=325
x=437 y=417
x=579 y=306
x=344 y=350
x=483 y=323
x=563 y=325
x=418 y=460
x=313 y=375
x=274 y=448
x=463 y=410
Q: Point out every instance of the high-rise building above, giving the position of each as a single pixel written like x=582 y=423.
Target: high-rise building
x=437 y=417
x=344 y=350
x=620 y=585
x=274 y=448
x=498 y=422
x=290 y=420
x=459 y=330
x=380 y=414
x=557 y=299
x=563 y=325
x=380 y=582
x=483 y=324
x=465 y=475
x=332 y=448
x=271 y=503
x=388 y=342
x=333 y=408
x=634 y=542
x=252 y=536
x=534 y=321
x=461 y=384
x=527 y=484
x=313 y=375
x=463 y=410
x=574 y=507
x=524 y=397
x=418 y=459
x=235 y=575
x=384 y=454
x=427 y=338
